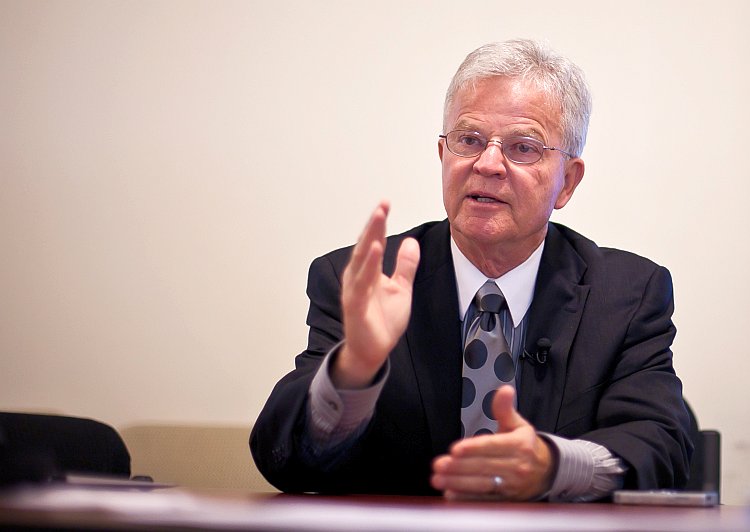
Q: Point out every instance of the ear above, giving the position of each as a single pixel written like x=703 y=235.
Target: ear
x=573 y=174
x=441 y=147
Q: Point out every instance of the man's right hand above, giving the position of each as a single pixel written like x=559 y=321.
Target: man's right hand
x=376 y=307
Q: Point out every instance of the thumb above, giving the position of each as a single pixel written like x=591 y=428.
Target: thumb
x=508 y=418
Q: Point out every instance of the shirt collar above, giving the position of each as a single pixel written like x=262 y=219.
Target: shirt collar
x=517 y=285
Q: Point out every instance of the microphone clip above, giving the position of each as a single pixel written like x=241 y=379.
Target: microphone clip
x=543 y=346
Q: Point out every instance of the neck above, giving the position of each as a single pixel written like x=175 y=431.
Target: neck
x=496 y=259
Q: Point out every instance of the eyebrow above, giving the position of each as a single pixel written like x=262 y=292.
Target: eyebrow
x=532 y=132
x=466 y=126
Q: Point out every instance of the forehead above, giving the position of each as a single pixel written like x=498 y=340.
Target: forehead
x=498 y=104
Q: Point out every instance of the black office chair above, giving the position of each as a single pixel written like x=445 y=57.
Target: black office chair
x=36 y=447
x=705 y=466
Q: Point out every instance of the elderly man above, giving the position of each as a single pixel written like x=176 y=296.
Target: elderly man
x=493 y=354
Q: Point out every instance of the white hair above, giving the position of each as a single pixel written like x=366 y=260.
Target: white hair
x=532 y=61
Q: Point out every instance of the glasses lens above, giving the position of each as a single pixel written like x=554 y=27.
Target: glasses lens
x=523 y=150
x=465 y=143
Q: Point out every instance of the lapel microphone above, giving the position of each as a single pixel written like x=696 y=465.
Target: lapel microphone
x=543 y=345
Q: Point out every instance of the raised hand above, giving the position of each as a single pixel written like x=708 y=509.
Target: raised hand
x=376 y=307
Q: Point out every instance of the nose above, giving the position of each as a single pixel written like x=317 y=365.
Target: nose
x=491 y=161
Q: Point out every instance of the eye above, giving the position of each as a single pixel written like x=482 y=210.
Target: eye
x=469 y=139
x=523 y=148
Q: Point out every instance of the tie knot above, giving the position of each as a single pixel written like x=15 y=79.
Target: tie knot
x=489 y=298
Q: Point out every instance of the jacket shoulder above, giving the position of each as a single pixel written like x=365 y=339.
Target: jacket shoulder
x=596 y=256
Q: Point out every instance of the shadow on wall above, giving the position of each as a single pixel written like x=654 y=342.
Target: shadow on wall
x=194 y=456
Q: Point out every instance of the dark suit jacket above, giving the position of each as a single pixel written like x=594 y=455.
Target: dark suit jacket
x=608 y=379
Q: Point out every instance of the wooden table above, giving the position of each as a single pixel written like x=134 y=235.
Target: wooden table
x=68 y=507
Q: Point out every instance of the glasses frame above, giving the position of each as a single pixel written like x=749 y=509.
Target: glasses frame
x=487 y=142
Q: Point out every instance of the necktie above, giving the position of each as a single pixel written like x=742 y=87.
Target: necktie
x=487 y=362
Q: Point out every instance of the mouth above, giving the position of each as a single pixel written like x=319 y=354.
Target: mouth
x=484 y=199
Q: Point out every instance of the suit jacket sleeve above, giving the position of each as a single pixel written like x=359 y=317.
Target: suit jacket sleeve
x=276 y=441
x=641 y=415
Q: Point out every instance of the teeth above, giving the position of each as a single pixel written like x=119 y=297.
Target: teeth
x=484 y=200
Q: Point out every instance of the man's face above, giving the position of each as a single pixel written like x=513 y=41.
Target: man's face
x=490 y=200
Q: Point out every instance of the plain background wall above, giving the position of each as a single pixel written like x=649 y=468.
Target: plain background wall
x=169 y=169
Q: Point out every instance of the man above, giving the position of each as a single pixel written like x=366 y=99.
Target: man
x=384 y=399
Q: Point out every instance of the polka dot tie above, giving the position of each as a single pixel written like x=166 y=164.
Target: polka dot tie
x=487 y=363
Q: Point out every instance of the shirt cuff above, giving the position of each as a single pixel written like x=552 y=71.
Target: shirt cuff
x=586 y=471
x=335 y=415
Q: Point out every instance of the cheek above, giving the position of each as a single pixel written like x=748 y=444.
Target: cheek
x=548 y=188
x=534 y=199
x=451 y=184
x=449 y=197
x=554 y=191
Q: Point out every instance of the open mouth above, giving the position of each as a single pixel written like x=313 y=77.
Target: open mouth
x=484 y=199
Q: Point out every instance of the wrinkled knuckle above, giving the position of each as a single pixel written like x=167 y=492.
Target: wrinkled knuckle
x=524 y=470
x=523 y=454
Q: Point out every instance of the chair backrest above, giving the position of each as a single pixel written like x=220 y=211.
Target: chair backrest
x=705 y=466
x=42 y=447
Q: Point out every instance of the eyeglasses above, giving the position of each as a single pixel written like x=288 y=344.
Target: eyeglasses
x=520 y=150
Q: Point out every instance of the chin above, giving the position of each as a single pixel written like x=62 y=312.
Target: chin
x=484 y=231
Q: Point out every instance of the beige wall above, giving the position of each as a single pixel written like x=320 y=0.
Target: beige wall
x=169 y=169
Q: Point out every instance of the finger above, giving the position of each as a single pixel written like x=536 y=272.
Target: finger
x=407 y=261
x=469 y=478
x=506 y=445
x=508 y=418
x=370 y=269
x=487 y=445
x=465 y=484
x=365 y=263
x=475 y=466
x=374 y=231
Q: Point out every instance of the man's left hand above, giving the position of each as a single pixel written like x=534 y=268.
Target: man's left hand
x=516 y=455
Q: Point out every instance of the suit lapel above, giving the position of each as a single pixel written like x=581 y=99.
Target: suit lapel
x=555 y=313
x=434 y=339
